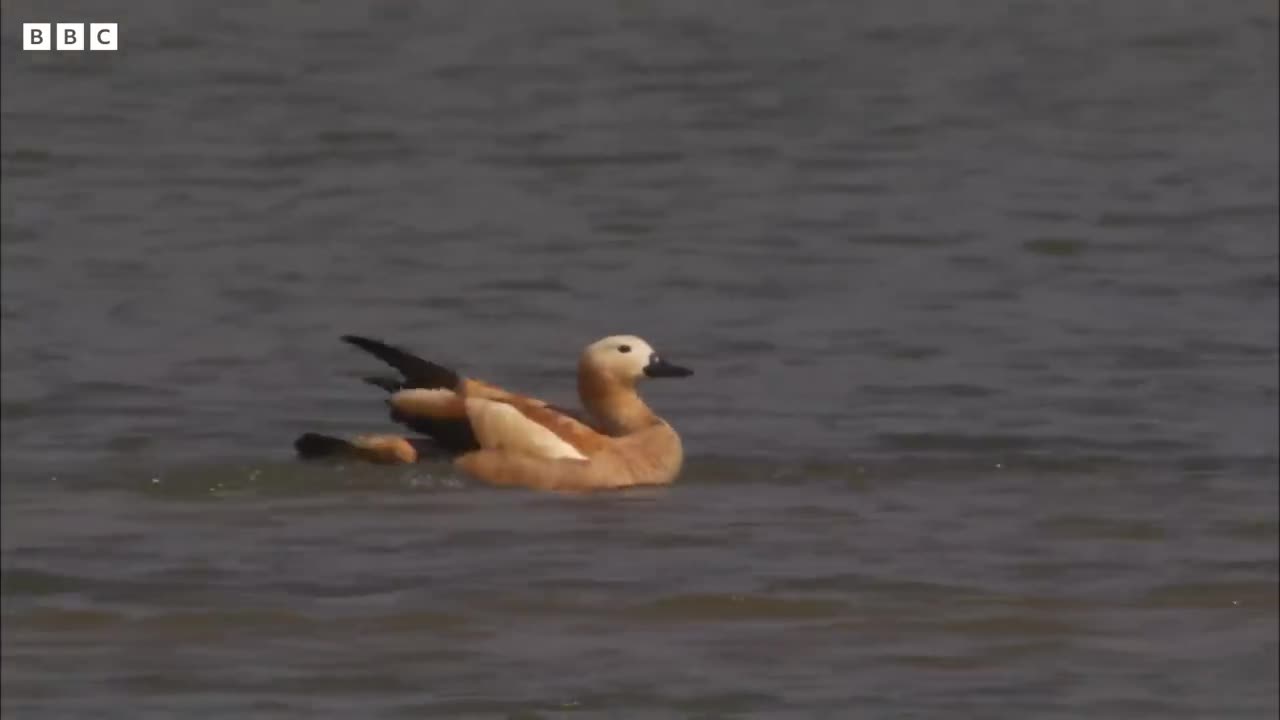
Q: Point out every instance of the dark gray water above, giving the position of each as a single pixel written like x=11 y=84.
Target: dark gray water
x=982 y=298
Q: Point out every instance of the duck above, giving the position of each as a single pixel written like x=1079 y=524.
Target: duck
x=508 y=439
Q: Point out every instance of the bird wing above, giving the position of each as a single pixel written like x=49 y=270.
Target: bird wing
x=464 y=414
x=515 y=424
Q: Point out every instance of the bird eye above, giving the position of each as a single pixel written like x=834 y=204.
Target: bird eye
x=624 y=348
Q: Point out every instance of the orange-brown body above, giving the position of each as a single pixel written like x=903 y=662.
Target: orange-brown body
x=522 y=441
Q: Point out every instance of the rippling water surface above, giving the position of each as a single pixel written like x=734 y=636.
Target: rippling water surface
x=982 y=300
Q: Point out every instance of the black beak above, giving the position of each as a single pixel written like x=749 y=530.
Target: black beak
x=659 y=368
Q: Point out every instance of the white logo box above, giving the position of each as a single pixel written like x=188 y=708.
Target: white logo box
x=70 y=36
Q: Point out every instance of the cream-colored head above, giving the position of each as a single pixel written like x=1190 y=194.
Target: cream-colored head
x=624 y=359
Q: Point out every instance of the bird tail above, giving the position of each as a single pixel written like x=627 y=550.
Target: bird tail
x=311 y=446
x=379 y=449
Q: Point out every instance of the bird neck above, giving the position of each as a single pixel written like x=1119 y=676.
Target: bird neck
x=615 y=405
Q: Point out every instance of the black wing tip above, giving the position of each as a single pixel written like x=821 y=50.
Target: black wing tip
x=389 y=384
x=417 y=372
x=361 y=341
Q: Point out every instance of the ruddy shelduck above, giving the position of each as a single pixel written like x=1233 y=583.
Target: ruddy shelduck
x=504 y=438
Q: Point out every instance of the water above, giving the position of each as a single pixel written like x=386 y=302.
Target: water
x=982 y=302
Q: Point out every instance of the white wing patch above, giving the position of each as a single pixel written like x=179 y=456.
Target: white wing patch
x=499 y=426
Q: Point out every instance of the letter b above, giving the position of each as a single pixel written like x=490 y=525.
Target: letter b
x=37 y=36
x=70 y=36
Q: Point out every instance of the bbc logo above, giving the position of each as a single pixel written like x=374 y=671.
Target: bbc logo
x=69 y=36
